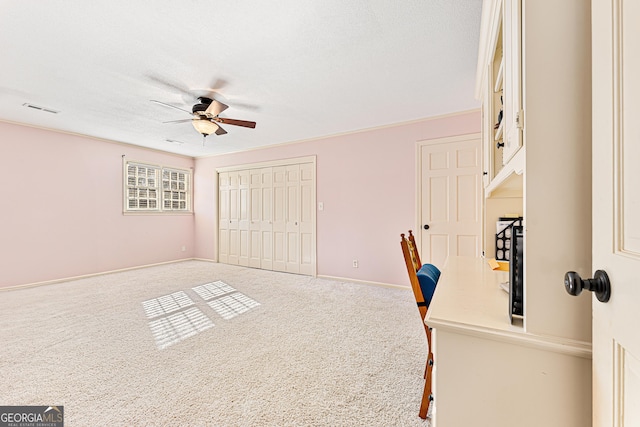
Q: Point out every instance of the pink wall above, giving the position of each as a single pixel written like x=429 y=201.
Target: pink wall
x=61 y=212
x=367 y=182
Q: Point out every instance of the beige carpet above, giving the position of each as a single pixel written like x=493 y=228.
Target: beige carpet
x=246 y=347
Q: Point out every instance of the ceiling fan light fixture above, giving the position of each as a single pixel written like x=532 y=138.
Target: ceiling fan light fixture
x=204 y=126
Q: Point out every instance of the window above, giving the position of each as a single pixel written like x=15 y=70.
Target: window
x=152 y=188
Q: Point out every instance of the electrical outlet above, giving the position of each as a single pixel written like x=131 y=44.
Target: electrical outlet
x=184 y=248
x=355 y=263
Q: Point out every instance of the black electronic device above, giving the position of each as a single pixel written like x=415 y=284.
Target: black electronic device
x=516 y=274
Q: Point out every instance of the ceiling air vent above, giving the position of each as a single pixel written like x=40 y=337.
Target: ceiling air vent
x=36 y=107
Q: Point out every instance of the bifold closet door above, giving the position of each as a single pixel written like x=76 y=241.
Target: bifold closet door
x=267 y=218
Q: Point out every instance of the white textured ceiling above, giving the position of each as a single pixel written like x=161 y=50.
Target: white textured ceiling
x=301 y=69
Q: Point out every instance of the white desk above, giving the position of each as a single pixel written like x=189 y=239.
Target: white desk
x=490 y=373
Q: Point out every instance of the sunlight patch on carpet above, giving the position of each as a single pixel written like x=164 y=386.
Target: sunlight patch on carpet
x=166 y=304
x=212 y=290
x=232 y=305
x=179 y=326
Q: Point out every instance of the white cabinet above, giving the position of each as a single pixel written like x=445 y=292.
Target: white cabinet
x=536 y=55
x=500 y=85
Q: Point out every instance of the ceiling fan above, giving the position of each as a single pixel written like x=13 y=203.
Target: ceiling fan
x=206 y=116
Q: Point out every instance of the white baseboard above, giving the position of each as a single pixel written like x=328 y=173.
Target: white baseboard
x=85 y=276
x=364 y=282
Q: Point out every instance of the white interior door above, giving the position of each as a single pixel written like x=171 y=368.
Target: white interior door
x=450 y=198
x=616 y=210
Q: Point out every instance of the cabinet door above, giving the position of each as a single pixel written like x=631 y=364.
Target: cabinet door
x=512 y=50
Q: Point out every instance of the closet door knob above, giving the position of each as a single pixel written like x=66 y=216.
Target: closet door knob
x=600 y=284
x=426 y=226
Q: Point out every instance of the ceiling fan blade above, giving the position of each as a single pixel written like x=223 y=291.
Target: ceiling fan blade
x=215 y=108
x=172 y=106
x=243 y=123
x=178 y=121
x=220 y=131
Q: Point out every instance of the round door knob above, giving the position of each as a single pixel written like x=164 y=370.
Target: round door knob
x=426 y=226
x=600 y=285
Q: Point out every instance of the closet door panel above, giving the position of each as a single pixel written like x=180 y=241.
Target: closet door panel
x=243 y=217
x=266 y=218
x=279 y=218
x=255 y=212
x=223 y=215
x=234 y=218
x=307 y=219
x=292 y=207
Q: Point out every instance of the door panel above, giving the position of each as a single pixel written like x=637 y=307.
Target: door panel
x=266 y=218
x=255 y=203
x=293 y=219
x=223 y=217
x=243 y=217
x=234 y=216
x=279 y=218
x=468 y=246
x=616 y=199
x=307 y=219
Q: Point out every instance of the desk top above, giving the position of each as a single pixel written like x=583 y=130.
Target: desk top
x=468 y=300
x=469 y=294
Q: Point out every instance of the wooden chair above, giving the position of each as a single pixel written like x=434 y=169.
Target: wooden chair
x=423 y=283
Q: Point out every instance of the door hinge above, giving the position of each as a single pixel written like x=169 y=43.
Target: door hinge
x=520 y=119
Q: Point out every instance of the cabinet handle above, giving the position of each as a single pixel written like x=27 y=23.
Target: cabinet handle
x=600 y=284
x=500 y=144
